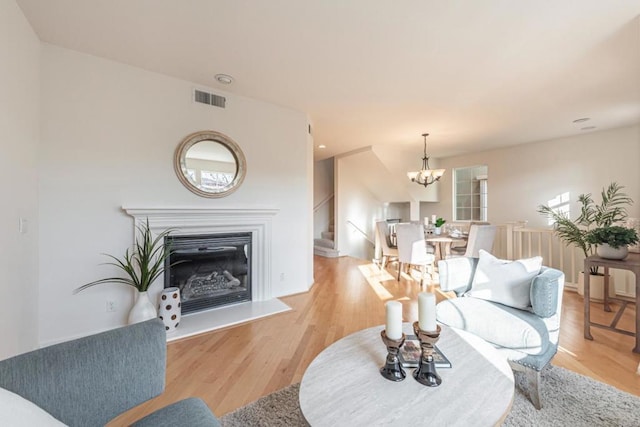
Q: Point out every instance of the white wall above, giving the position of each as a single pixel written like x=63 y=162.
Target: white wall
x=372 y=185
x=109 y=132
x=323 y=182
x=525 y=176
x=520 y=178
x=398 y=162
x=19 y=133
x=323 y=188
x=428 y=209
x=309 y=202
x=400 y=210
x=355 y=204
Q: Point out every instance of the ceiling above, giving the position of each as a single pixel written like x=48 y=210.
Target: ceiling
x=474 y=74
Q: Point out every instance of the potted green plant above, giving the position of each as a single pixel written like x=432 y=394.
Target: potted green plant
x=612 y=242
x=612 y=209
x=438 y=225
x=141 y=265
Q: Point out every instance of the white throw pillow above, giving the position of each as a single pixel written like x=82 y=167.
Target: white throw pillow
x=505 y=282
x=16 y=411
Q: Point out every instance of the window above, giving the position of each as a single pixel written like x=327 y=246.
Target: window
x=560 y=205
x=470 y=193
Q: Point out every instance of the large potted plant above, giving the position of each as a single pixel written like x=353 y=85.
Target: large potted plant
x=611 y=209
x=141 y=265
x=612 y=242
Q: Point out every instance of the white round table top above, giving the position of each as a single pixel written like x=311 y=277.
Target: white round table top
x=343 y=385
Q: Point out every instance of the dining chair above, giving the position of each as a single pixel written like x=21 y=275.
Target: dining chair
x=480 y=237
x=463 y=228
x=383 y=240
x=412 y=249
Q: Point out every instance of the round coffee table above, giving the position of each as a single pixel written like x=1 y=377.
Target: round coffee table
x=343 y=385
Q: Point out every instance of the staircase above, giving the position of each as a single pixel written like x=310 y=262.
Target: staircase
x=325 y=246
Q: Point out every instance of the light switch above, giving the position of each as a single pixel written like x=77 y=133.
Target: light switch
x=23 y=227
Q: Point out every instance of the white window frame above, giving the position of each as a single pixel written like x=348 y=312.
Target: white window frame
x=476 y=203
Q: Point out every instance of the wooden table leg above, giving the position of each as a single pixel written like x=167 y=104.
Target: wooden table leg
x=637 y=347
x=438 y=253
x=607 y=308
x=587 y=306
x=447 y=249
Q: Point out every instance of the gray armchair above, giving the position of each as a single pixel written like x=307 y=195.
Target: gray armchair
x=527 y=337
x=91 y=380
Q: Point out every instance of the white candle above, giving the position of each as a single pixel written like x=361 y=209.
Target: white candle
x=394 y=320
x=427 y=311
x=433 y=219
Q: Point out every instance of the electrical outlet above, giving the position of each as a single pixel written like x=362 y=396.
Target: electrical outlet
x=282 y=277
x=111 y=306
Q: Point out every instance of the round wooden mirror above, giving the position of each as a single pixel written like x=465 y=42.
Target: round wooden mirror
x=210 y=164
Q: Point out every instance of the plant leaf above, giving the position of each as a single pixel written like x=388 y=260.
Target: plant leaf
x=142 y=265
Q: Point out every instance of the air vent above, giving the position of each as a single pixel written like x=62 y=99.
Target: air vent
x=209 y=98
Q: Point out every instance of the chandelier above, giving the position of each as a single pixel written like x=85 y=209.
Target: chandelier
x=425 y=176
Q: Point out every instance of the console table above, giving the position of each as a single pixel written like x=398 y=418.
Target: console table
x=343 y=385
x=631 y=263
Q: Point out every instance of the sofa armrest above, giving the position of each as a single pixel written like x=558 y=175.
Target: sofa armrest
x=456 y=274
x=91 y=380
x=546 y=292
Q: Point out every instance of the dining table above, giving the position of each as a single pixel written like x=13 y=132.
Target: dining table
x=443 y=243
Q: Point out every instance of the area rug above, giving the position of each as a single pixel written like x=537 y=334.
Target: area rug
x=568 y=399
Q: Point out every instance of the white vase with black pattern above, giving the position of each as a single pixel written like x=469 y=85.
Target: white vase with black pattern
x=169 y=308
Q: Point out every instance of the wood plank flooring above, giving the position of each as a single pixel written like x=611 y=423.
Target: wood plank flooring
x=232 y=367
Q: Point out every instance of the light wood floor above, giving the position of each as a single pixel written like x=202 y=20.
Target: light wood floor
x=232 y=367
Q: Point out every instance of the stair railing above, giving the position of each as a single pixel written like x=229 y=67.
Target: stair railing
x=514 y=240
x=358 y=229
x=323 y=202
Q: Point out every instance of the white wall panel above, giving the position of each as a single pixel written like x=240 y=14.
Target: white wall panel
x=109 y=132
x=19 y=133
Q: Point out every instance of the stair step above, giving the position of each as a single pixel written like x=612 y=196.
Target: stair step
x=328 y=235
x=325 y=252
x=325 y=243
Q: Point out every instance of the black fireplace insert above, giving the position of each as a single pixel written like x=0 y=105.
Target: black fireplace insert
x=211 y=270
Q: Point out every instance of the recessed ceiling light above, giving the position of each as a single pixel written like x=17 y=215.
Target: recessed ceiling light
x=224 y=79
x=321 y=146
x=588 y=128
x=584 y=119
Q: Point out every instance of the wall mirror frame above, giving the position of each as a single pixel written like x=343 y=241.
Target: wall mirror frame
x=220 y=183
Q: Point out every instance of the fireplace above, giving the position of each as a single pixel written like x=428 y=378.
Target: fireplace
x=211 y=270
x=189 y=221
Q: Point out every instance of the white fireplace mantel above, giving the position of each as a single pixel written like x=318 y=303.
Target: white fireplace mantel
x=205 y=220
x=199 y=220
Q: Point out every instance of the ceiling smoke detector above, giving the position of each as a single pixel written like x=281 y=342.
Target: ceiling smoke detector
x=225 y=79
